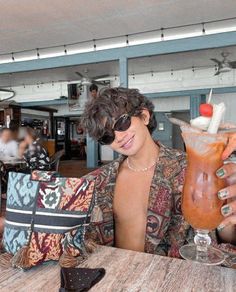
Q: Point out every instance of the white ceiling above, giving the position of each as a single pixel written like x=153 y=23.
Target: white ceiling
x=34 y=24
x=160 y=63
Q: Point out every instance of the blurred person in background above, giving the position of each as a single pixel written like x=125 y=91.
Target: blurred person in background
x=33 y=152
x=8 y=146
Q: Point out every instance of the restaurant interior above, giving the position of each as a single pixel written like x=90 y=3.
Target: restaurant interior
x=179 y=54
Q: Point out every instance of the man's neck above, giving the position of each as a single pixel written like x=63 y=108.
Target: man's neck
x=146 y=156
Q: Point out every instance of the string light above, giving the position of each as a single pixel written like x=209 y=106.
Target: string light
x=38 y=55
x=127 y=40
x=12 y=57
x=203 y=28
x=193 y=69
x=162 y=34
x=52 y=83
x=133 y=76
x=24 y=85
x=65 y=50
x=172 y=72
x=152 y=73
x=94 y=45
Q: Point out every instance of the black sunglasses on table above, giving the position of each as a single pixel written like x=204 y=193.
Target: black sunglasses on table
x=121 y=124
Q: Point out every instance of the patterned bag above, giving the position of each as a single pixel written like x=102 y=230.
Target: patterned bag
x=46 y=215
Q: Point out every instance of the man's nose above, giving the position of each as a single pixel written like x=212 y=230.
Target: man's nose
x=120 y=136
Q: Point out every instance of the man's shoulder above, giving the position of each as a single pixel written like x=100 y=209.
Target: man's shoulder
x=171 y=154
x=104 y=172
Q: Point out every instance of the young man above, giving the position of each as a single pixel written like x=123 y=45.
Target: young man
x=138 y=196
x=93 y=90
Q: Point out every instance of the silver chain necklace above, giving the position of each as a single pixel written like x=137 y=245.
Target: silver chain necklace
x=139 y=169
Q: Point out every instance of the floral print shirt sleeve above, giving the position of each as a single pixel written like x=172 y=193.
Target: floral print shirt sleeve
x=36 y=157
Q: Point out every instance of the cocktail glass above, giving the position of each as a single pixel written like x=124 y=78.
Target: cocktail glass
x=200 y=204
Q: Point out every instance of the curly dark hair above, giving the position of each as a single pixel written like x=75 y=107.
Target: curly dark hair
x=112 y=103
x=93 y=87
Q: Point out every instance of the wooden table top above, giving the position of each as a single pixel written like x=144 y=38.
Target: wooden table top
x=128 y=271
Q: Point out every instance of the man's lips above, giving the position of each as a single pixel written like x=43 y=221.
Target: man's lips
x=127 y=143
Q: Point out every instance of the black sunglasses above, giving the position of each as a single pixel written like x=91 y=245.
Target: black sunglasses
x=121 y=124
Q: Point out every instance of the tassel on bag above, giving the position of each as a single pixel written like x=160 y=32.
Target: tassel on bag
x=90 y=245
x=68 y=261
x=21 y=258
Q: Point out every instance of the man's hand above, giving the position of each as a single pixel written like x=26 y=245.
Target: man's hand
x=231 y=146
x=227 y=228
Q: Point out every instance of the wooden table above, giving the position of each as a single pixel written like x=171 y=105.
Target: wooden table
x=128 y=271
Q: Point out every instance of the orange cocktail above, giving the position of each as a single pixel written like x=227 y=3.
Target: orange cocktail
x=200 y=204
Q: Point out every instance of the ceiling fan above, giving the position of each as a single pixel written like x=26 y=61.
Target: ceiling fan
x=85 y=80
x=225 y=65
x=6 y=94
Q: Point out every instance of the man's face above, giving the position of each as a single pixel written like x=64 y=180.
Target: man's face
x=132 y=140
x=94 y=93
x=6 y=136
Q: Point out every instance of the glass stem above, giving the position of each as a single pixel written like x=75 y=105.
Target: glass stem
x=202 y=241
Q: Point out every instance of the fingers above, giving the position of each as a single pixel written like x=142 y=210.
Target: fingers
x=231 y=146
x=226 y=193
x=231 y=220
x=228 y=209
x=226 y=170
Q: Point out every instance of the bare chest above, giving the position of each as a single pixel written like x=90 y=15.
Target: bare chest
x=132 y=195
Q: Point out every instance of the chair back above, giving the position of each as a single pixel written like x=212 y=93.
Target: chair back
x=2 y=169
x=55 y=160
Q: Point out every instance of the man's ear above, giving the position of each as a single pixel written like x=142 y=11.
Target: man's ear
x=145 y=116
